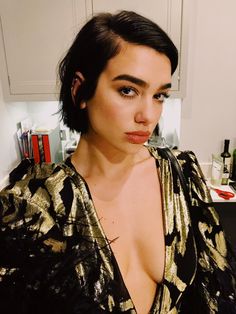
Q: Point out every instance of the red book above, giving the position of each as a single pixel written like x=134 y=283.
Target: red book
x=46 y=147
x=35 y=146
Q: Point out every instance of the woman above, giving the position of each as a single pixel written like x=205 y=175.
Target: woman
x=109 y=229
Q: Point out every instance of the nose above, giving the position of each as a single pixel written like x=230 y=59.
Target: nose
x=148 y=112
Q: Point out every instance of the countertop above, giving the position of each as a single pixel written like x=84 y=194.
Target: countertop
x=216 y=198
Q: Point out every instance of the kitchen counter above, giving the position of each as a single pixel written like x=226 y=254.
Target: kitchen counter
x=226 y=210
x=218 y=199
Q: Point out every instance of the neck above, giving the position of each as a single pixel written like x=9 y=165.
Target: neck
x=93 y=159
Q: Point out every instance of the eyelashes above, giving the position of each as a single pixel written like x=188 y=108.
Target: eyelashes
x=131 y=92
x=127 y=91
x=161 y=96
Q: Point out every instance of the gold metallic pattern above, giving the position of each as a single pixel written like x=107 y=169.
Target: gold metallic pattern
x=53 y=203
x=127 y=305
x=221 y=244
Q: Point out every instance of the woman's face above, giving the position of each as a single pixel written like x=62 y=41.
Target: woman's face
x=128 y=100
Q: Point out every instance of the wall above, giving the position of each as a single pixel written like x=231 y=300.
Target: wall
x=209 y=109
x=44 y=113
x=10 y=115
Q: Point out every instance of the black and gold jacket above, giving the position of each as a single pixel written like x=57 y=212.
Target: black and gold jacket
x=55 y=257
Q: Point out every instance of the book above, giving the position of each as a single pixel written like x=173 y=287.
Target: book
x=47 y=146
x=35 y=148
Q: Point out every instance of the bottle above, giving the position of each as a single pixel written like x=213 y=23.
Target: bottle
x=225 y=176
x=233 y=172
x=226 y=161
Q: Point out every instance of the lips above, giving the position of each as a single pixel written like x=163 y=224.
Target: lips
x=137 y=137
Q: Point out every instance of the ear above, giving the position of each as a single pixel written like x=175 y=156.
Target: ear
x=76 y=82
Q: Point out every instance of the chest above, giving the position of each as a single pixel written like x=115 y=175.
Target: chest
x=133 y=222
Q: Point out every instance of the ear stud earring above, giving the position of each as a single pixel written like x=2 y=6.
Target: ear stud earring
x=83 y=105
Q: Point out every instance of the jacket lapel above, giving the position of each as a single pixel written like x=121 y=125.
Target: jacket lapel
x=181 y=257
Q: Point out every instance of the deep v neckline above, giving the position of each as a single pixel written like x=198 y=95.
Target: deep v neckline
x=116 y=269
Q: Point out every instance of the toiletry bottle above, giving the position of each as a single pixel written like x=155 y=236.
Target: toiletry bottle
x=226 y=160
x=233 y=172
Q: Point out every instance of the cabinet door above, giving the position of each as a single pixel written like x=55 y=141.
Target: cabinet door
x=35 y=34
x=166 y=13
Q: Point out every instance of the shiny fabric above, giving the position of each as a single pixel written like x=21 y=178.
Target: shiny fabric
x=55 y=257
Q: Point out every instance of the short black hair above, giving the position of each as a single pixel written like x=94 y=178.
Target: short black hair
x=97 y=42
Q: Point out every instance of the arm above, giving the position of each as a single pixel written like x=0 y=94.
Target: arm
x=29 y=243
x=45 y=265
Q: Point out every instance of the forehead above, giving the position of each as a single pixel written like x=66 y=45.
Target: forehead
x=140 y=61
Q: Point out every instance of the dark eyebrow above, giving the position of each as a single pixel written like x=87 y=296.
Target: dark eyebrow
x=138 y=81
x=130 y=78
x=165 y=86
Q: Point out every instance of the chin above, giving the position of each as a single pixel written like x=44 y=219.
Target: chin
x=133 y=148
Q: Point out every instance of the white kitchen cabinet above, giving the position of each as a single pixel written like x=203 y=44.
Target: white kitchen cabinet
x=171 y=15
x=34 y=36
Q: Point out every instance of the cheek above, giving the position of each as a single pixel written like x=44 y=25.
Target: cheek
x=107 y=113
x=103 y=114
x=158 y=111
x=157 y=115
x=108 y=109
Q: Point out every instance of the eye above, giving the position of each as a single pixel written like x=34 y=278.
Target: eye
x=127 y=91
x=161 y=96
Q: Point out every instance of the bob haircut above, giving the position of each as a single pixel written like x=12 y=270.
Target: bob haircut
x=99 y=40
